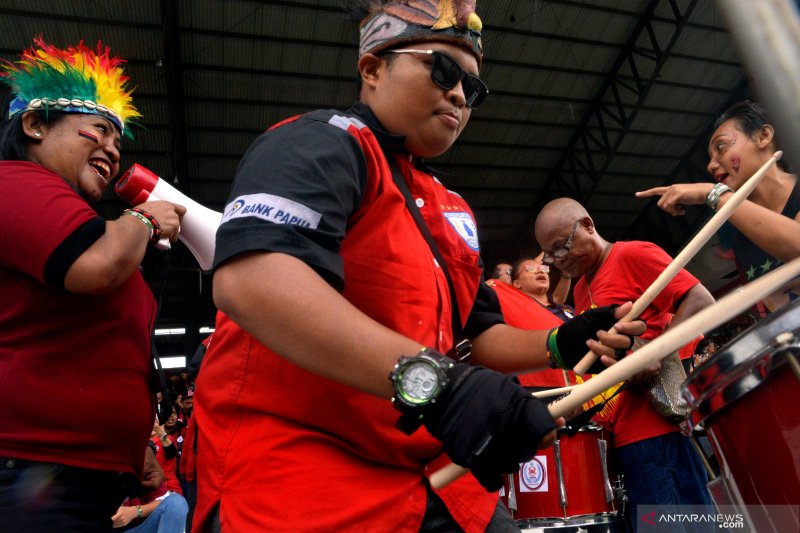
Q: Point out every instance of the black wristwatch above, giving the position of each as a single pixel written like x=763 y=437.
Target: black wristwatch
x=418 y=383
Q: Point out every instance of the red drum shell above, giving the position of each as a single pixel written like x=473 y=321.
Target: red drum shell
x=745 y=397
x=586 y=482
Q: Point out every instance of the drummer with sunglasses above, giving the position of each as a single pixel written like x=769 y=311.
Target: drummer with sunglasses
x=326 y=287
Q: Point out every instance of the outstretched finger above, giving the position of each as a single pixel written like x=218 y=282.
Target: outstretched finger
x=655 y=191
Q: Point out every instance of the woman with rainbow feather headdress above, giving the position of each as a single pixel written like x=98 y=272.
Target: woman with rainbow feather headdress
x=75 y=305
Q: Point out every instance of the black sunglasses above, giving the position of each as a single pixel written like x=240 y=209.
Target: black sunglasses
x=446 y=73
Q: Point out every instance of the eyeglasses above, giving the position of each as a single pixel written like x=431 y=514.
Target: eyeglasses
x=446 y=73
x=544 y=269
x=561 y=253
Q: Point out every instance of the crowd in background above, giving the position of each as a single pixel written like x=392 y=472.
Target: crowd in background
x=379 y=274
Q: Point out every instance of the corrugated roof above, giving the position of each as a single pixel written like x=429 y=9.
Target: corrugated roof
x=591 y=99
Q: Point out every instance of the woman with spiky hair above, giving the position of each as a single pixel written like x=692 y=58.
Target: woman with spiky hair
x=74 y=303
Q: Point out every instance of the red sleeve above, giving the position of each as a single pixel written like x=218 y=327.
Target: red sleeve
x=40 y=210
x=648 y=262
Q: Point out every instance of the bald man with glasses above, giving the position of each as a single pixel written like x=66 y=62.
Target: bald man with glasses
x=660 y=465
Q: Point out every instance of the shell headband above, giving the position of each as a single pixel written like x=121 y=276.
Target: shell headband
x=74 y=80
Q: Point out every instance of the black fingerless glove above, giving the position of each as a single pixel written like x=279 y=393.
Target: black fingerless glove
x=566 y=344
x=488 y=423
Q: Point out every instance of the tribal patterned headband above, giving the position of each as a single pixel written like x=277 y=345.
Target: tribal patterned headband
x=74 y=80
x=398 y=21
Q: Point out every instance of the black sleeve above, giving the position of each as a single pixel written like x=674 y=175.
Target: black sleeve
x=197 y=359
x=485 y=312
x=294 y=191
x=70 y=249
x=170 y=451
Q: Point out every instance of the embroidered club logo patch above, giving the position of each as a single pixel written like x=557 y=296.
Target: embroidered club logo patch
x=465 y=227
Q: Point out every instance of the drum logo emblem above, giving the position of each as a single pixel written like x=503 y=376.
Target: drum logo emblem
x=533 y=475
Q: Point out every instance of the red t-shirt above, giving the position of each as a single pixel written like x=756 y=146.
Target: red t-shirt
x=64 y=356
x=168 y=465
x=630 y=268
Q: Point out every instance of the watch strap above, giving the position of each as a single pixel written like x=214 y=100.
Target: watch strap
x=408 y=423
x=412 y=417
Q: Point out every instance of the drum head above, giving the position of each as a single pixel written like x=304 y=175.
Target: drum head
x=743 y=364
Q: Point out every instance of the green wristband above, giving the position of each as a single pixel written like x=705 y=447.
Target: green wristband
x=552 y=349
x=144 y=219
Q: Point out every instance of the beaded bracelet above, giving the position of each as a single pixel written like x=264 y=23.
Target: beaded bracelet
x=144 y=219
x=148 y=219
x=153 y=221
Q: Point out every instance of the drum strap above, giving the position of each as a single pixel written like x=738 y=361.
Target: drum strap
x=462 y=347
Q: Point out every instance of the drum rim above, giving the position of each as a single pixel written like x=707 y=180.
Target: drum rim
x=590 y=426
x=738 y=382
x=764 y=331
x=572 y=521
x=741 y=365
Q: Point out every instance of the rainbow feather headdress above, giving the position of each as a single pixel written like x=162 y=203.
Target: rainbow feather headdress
x=74 y=80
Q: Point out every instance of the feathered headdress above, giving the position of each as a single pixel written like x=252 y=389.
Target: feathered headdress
x=74 y=80
x=396 y=21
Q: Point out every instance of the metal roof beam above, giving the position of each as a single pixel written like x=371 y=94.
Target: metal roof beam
x=173 y=69
x=619 y=101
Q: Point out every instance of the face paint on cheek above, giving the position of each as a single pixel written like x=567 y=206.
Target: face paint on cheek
x=735 y=162
x=90 y=136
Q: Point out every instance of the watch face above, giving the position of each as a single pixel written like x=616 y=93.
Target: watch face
x=420 y=383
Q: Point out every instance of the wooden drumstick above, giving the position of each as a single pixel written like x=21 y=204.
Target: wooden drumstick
x=674 y=338
x=709 y=318
x=689 y=251
x=449 y=473
x=552 y=392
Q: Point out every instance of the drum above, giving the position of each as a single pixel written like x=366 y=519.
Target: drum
x=745 y=398
x=566 y=485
